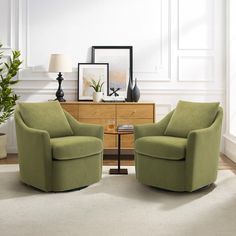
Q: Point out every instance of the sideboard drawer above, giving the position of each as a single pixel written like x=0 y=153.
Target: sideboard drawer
x=109 y=140
x=135 y=111
x=72 y=109
x=97 y=111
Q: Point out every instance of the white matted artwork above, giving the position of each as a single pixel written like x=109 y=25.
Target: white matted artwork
x=88 y=72
x=120 y=59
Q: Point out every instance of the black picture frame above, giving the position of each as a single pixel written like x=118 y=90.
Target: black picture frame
x=116 y=77
x=82 y=83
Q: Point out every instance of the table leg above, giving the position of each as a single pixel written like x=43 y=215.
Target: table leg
x=118 y=171
x=119 y=152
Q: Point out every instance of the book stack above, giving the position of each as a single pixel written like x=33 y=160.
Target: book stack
x=125 y=128
x=113 y=99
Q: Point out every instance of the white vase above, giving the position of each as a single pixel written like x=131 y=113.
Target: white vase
x=97 y=96
x=3 y=145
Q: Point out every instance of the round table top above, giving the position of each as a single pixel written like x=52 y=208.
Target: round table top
x=114 y=132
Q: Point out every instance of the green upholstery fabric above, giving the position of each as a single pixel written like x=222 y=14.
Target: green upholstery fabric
x=73 y=147
x=84 y=129
x=190 y=116
x=160 y=173
x=196 y=170
x=157 y=129
x=164 y=147
x=47 y=116
x=38 y=168
x=88 y=171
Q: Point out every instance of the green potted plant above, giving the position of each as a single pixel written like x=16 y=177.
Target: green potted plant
x=8 y=98
x=97 y=86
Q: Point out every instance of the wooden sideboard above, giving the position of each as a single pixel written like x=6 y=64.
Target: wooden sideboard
x=119 y=113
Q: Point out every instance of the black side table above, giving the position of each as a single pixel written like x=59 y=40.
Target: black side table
x=118 y=171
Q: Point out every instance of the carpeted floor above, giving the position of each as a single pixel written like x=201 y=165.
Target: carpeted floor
x=117 y=205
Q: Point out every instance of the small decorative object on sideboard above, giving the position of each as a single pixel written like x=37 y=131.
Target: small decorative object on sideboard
x=60 y=63
x=135 y=92
x=114 y=91
x=129 y=91
x=113 y=99
x=97 y=86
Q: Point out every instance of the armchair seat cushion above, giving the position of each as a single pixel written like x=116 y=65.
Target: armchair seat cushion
x=163 y=147
x=74 y=147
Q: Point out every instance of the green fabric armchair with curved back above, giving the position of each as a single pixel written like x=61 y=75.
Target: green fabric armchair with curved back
x=56 y=152
x=180 y=153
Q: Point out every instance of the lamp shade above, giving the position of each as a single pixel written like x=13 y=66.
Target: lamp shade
x=60 y=63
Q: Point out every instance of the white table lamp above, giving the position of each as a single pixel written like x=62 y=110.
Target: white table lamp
x=60 y=63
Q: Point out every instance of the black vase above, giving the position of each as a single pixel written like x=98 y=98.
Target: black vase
x=129 y=91
x=135 y=92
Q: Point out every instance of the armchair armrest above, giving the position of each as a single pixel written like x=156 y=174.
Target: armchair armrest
x=82 y=129
x=34 y=152
x=202 y=154
x=156 y=129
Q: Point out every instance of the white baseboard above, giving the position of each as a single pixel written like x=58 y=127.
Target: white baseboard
x=230 y=147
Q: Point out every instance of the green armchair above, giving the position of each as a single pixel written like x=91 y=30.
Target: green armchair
x=56 y=152
x=180 y=153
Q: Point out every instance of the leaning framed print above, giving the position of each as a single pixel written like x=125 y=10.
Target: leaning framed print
x=88 y=72
x=120 y=59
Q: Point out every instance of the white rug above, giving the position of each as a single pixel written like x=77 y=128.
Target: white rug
x=117 y=205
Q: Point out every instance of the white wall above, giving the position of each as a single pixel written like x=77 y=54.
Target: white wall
x=230 y=134
x=178 y=45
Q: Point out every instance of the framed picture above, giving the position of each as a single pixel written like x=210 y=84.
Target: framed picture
x=88 y=72
x=120 y=59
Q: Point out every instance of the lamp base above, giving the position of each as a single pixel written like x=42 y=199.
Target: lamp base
x=60 y=93
x=60 y=99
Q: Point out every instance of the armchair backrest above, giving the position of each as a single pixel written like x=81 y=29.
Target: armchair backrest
x=48 y=116
x=218 y=118
x=190 y=116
